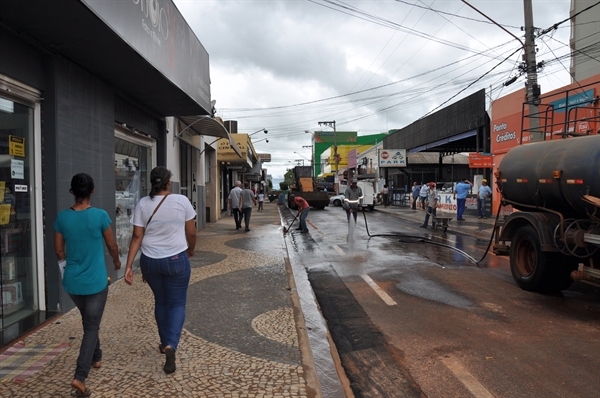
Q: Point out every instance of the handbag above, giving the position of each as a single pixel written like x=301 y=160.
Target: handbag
x=156 y=208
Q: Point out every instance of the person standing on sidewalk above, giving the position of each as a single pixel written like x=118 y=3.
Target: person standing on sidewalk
x=80 y=234
x=303 y=210
x=234 y=199
x=416 y=189
x=245 y=204
x=423 y=194
x=484 y=192
x=163 y=228
x=385 y=192
x=460 y=194
x=261 y=199
x=432 y=201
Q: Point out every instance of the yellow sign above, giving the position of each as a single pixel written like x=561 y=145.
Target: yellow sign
x=4 y=214
x=226 y=153
x=16 y=146
x=2 y=190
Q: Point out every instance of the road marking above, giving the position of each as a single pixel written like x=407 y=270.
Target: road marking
x=339 y=250
x=475 y=387
x=380 y=292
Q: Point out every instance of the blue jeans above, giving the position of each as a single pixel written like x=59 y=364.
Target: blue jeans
x=303 y=216
x=432 y=211
x=91 y=308
x=169 y=279
x=481 y=207
x=354 y=214
x=460 y=207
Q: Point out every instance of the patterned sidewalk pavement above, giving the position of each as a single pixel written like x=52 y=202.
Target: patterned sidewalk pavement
x=240 y=338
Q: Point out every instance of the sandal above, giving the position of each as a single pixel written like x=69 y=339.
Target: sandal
x=97 y=364
x=78 y=385
x=78 y=393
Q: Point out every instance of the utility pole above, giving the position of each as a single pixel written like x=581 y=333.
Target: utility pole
x=533 y=89
x=335 y=152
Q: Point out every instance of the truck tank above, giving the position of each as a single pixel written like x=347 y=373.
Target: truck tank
x=553 y=174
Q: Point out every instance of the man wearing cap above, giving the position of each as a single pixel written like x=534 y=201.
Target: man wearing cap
x=353 y=193
x=432 y=201
x=460 y=194
x=484 y=192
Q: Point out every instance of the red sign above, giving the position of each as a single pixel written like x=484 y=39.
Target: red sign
x=479 y=161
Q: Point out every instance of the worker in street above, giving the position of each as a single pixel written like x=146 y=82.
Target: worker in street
x=352 y=197
x=460 y=194
x=303 y=209
x=432 y=202
x=484 y=192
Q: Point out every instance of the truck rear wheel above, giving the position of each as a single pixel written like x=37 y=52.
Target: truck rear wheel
x=535 y=270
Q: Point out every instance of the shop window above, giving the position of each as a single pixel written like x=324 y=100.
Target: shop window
x=18 y=277
x=133 y=164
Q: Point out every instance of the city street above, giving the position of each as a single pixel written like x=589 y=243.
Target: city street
x=415 y=319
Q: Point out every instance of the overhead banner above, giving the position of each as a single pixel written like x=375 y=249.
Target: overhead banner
x=392 y=158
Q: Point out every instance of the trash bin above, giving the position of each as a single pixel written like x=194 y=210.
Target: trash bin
x=281 y=199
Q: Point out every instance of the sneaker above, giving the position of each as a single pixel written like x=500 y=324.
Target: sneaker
x=480 y=217
x=298 y=229
x=423 y=226
x=304 y=231
x=460 y=219
x=170 y=360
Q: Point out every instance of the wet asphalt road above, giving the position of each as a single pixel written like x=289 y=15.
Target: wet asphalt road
x=415 y=319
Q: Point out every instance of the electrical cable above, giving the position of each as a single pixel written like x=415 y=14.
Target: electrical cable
x=423 y=239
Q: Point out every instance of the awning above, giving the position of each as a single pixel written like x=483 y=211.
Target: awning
x=207 y=125
x=440 y=143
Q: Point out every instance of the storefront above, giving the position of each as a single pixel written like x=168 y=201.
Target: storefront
x=19 y=203
x=89 y=94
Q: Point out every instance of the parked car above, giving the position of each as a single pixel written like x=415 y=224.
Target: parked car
x=336 y=200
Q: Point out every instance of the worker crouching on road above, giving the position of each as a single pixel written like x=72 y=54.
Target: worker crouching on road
x=353 y=194
x=432 y=202
x=303 y=209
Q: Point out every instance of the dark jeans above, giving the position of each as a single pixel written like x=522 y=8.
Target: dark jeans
x=385 y=199
x=432 y=211
x=460 y=208
x=481 y=207
x=354 y=213
x=237 y=216
x=91 y=308
x=247 y=212
x=169 y=279
x=303 y=216
x=423 y=200
x=414 y=204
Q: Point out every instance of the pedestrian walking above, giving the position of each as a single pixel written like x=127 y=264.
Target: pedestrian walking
x=245 y=204
x=432 y=202
x=416 y=189
x=423 y=194
x=261 y=199
x=234 y=199
x=81 y=232
x=164 y=230
x=460 y=194
x=303 y=210
x=353 y=194
x=484 y=192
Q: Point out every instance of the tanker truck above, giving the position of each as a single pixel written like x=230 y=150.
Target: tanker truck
x=555 y=235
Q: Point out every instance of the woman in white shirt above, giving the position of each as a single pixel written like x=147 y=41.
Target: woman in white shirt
x=163 y=227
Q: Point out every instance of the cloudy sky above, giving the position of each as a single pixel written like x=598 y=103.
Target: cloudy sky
x=371 y=66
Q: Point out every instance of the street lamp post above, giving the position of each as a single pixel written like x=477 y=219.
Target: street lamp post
x=258 y=131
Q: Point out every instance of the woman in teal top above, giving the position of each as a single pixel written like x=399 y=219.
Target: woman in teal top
x=81 y=232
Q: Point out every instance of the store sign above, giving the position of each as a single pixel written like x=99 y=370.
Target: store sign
x=479 y=161
x=226 y=153
x=392 y=158
x=265 y=157
x=17 y=169
x=16 y=146
x=158 y=32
